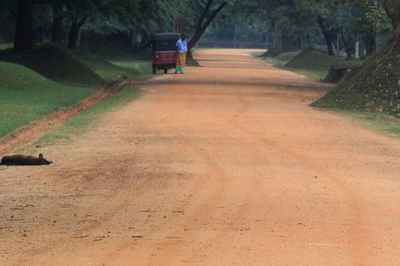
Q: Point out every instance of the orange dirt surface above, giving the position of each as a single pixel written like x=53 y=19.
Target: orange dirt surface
x=225 y=165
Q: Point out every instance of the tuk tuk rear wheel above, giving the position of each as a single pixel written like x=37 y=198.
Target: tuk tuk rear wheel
x=154 y=69
x=165 y=71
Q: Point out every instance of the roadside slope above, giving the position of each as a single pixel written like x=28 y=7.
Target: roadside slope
x=26 y=96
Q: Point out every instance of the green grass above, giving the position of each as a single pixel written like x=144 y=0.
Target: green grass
x=78 y=68
x=282 y=59
x=56 y=63
x=315 y=72
x=318 y=69
x=104 y=69
x=26 y=96
x=318 y=74
x=314 y=67
x=6 y=46
x=136 y=67
x=380 y=122
x=85 y=121
x=372 y=86
x=257 y=54
x=374 y=121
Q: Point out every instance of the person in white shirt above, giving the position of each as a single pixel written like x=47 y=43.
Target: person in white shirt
x=181 y=49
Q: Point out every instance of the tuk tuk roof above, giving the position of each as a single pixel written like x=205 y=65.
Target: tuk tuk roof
x=166 y=35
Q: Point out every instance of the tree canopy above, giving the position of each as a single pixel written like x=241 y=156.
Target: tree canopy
x=62 y=21
x=338 y=25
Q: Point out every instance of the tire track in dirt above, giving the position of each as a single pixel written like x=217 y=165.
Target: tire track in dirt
x=355 y=202
x=206 y=206
x=196 y=204
x=85 y=230
x=218 y=171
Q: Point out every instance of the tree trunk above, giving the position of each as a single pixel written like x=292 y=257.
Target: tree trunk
x=370 y=42
x=327 y=35
x=304 y=41
x=345 y=42
x=201 y=28
x=39 y=34
x=145 y=42
x=56 y=29
x=235 y=37
x=276 y=45
x=266 y=41
x=394 y=42
x=75 y=33
x=23 y=34
x=357 y=50
x=392 y=8
x=178 y=24
x=338 y=43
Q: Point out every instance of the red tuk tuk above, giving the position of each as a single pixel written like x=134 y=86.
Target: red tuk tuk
x=164 y=51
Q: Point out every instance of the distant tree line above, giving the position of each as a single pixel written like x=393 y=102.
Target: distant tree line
x=25 y=22
x=347 y=26
x=351 y=27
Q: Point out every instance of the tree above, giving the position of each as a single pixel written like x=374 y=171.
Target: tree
x=374 y=84
x=24 y=24
x=392 y=8
x=286 y=22
x=376 y=20
x=23 y=33
x=207 y=12
x=58 y=7
x=7 y=20
x=79 y=11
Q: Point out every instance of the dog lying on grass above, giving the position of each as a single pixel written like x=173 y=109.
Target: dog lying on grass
x=24 y=160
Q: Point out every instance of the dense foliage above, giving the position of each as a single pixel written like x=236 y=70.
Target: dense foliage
x=343 y=27
x=350 y=27
x=71 y=22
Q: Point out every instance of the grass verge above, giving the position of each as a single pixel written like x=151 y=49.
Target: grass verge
x=85 y=121
x=282 y=59
x=136 y=69
x=6 y=46
x=56 y=63
x=380 y=122
x=79 y=68
x=315 y=72
x=375 y=121
x=312 y=64
x=26 y=96
x=136 y=66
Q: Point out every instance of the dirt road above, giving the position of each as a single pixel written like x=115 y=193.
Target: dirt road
x=225 y=165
